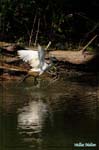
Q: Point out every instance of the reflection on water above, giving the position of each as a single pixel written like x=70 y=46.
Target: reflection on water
x=32 y=116
x=52 y=118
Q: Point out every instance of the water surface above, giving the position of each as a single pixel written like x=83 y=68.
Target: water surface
x=52 y=117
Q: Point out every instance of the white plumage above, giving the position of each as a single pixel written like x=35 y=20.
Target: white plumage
x=36 y=59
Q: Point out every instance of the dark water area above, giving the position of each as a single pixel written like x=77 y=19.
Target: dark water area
x=53 y=117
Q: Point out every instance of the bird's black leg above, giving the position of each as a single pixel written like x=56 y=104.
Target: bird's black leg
x=23 y=79
x=37 y=81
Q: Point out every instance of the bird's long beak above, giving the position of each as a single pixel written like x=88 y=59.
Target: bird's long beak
x=48 y=45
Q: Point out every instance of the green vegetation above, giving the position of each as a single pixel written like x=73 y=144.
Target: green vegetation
x=90 y=49
x=62 y=21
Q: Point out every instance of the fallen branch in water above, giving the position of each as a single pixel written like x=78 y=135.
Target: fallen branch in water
x=12 y=68
x=73 y=57
x=12 y=60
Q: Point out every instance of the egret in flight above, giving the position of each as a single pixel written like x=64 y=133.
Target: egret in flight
x=36 y=59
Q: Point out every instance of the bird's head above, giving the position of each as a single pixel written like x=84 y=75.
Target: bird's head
x=50 y=60
x=53 y=59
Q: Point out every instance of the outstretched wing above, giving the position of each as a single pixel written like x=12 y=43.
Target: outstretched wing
x=41 y=56
x=29 y=56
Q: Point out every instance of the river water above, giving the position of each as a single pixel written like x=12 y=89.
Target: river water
x=52 y=117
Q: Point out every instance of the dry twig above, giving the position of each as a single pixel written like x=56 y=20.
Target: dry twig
x=84 y=48
x=36 y=38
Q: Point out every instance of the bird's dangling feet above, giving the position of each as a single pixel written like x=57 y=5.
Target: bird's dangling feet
x=37 y=82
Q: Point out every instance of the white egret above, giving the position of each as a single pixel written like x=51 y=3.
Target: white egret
x=36 y=59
